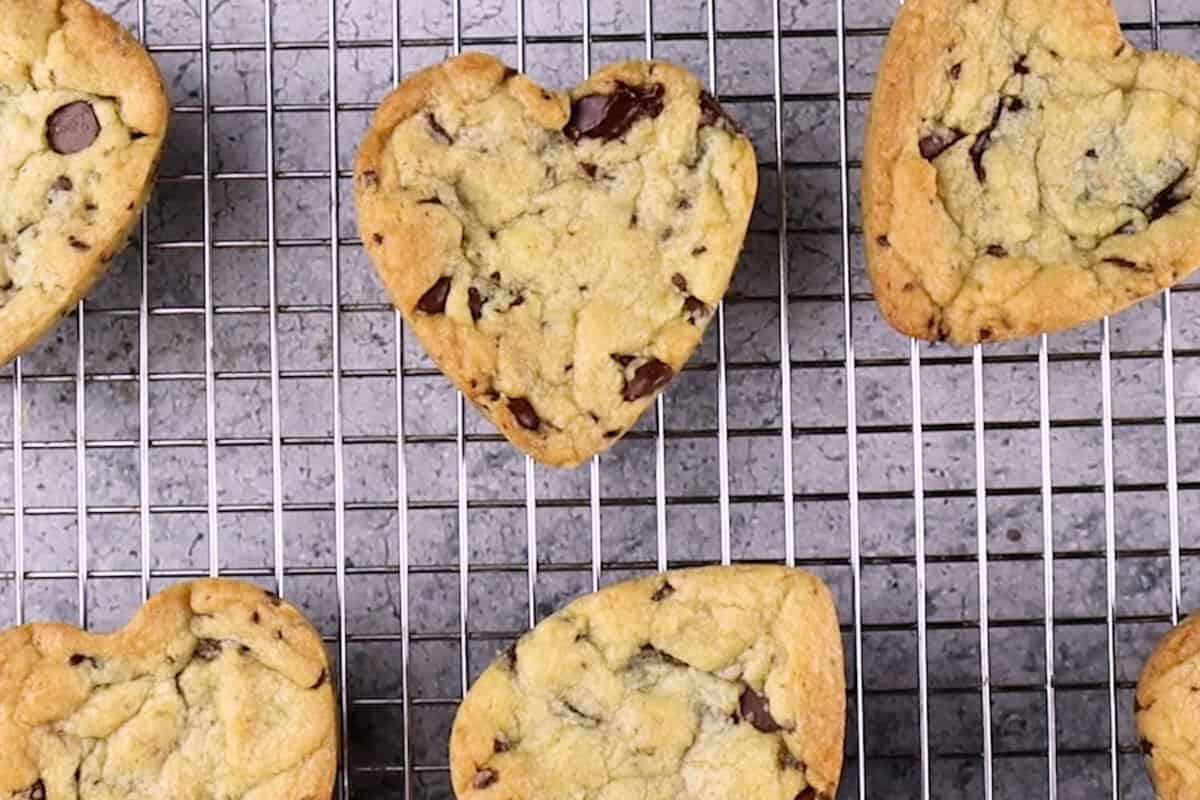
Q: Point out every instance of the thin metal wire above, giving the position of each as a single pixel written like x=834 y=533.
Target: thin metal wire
x=210 y=389
x=852 y=493
x=18 y=411
x=919 y=541
x=339 y=462
x=1048 y=568
x=1110 y=554
x=981 y=529
x=143 y=376
x=81 y=534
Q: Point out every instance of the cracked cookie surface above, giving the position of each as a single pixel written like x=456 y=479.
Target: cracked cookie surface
x=1168 y=713
x=1027 y=169
x=559 y=256
x=83 y=115
x=216 y=690
x=717 y=683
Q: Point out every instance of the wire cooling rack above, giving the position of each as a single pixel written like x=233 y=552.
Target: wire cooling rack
x=1005 y=529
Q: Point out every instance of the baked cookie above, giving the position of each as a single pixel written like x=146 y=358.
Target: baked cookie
x=215 y=689
x=558 y=255
x=1027 y=170
x=1168 y=713
x=83 y=114
x=718 y=683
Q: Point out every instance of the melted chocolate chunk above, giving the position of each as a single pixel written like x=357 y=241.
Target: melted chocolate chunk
x=934 y=144
x=475 y=303
x=72 y=128
x=983 y=141
x=439 y=133
x=523 y=411
x=610 y=116
x=996 y=251
x=208 y=649
x=755 y=709
x=1125 y=263
x=63 y=184
x=663 y=592
x=1166 y=201
x=647 y=379
x=255 y=618
x=699 y=251
x=434 y=299
x=695 y=309
x=588 y=168
x=1020 y=67
x=712 y=113
x=78 y=245
x=1091 y=153
x=680 y=282
x=1147 y=747
x=501 y=746
x=79 y=658
x=485 y=778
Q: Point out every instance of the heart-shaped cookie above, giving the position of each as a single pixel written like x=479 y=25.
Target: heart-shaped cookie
x=1027 y=169
x=559 y=255
x=83 y=114
x=215 y=689
x=719 y=682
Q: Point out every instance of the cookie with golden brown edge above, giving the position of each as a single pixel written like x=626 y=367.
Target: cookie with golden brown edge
x=1027 y=169
x=215 y=689
x=83 y=115
x=1168 y=713
x=559 y=255
x=713 y=684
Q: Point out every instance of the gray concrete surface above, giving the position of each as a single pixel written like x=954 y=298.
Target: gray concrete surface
x=378 y=540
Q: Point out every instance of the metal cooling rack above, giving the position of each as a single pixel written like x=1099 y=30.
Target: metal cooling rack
x=1004 y=528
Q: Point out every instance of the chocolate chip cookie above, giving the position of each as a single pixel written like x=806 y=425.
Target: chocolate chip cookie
x=1027 y=169
x=216 y=689
x=558 y=255
x=83 y=114
x=711 y=684
x=1168 y=713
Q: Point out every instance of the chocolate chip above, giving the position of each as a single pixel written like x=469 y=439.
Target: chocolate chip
x=485 y=778
x=72 y=128
x=956 y=71
x=439 y=133
x=996 y=251
x=1165 y=201
x=695 y=309
x=985 y=334
x=1125 y=263
x=517 y=301
x=255 y=618
x=1091 y=153
x=79 y=658
x=667 y=234
x=647 y=379
x=1020 y=67
x=523 y=411
x=475 y=303
x=63 y=184
x=208 y=649
x=1147 y=747
x=712 y=113
x=377 y=238
x=684 y=204
x=755 y=709
x=430 y=201
x=1015 y=104
x=324 y=676
x=663 y=592
x=699 y=251
x=883 y=241
x=588 y=168
x=434 y=299
x=243 y=650
x=680 y=282
x=934 y=144
x=501 y=746
x=78 y=245
x=610 y=116
x=984 y=140
x=623 y=360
